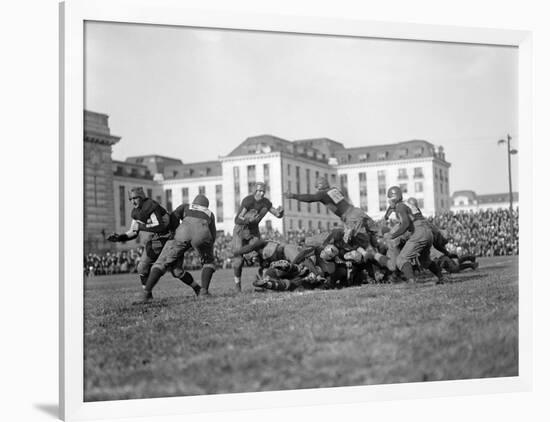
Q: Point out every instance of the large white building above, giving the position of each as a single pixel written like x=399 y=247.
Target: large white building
x=363 y=173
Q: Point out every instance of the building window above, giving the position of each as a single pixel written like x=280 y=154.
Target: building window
x=149 y=193
x=382 y=155
x=288 y=171
x=419 y=151
x=320 y=225
x=402 y=174
x=237 y=188
x=344 y=184
x=202 y=190
x=300 y=224
x=363 y=157
x=333 y=182
x=291 y=224
x=382 y=199
x=219 y=204
x=251 y=178
x=318 y=203
x=403 y=152
x=404 y=187
x=290 y=200
x=418 y=173
x=168 y=195
x=122 y=205
x=441 y=186
x=268 y=225
x=298 y=188
x=266 y=180
x=308 y=187
x=363 y=203
x=418 y=187
x=184 y=195
x=310 y=225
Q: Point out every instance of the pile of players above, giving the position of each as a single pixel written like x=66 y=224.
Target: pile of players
x=359 y=252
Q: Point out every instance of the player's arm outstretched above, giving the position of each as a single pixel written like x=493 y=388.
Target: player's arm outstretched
x=305 y=197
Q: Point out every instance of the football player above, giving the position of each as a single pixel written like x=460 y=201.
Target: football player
x=198 y=231
x=253 y=208
x=418 y=244
x=356 y=222
x=147 y=216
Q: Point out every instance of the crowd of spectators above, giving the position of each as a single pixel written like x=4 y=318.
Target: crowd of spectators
x=112 y=262
x=481 y=233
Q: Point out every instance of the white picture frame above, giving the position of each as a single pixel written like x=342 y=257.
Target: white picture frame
x=74 y=13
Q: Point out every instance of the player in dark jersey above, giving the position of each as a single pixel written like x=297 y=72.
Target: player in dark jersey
x=420 y=241
x=147 y=216
x=198 y=231
x=356 y=221
x=253 y=208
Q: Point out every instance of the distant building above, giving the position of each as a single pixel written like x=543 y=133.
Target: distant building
x=467 y=200
x=99 y=208
x=363 y=173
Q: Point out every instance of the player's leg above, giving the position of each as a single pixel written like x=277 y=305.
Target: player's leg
x=238 y=260
x=145 y=263
x=204 y=245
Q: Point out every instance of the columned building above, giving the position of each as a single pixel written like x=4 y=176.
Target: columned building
x=99 y=207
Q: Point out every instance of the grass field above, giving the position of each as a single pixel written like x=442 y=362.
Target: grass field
x=259 y=341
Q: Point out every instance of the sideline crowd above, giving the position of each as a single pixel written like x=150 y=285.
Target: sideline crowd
x=480 y=233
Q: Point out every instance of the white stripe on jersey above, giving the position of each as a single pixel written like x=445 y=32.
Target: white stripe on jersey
x=201 y=209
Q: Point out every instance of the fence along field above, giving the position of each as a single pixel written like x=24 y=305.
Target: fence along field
x=262 y=341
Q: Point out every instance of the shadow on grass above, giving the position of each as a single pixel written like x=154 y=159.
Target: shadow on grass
x=49 y=409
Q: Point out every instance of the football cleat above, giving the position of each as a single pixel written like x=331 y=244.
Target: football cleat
x=146 y=297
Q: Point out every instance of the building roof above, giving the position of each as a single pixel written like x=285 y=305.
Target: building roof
x=486 y=198
x=261 y=144
x=155 y=163
x=192 y=170
x=468 y=193
x=387 y=152
x=497 y=197
x=138 y=171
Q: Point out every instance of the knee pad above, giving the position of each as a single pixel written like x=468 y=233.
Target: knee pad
x=177 y=272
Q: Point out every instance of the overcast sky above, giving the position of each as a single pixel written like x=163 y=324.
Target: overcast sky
x=195 y=94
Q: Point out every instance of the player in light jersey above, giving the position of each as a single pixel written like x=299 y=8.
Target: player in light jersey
x=356 y=221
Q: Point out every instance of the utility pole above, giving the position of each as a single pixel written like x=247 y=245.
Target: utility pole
x=511 y=151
